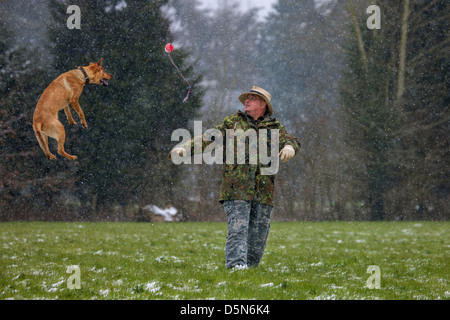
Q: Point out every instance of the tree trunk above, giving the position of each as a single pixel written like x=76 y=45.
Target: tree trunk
x=359 y=37
x=402 y=58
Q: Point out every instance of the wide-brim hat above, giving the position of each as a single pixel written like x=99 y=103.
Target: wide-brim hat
x=266 y=96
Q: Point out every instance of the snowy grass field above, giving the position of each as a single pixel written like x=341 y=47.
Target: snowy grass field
x=303 y=260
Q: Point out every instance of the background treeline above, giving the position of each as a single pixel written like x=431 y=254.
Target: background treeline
x=370 y=106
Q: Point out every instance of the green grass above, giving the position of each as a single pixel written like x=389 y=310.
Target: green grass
x=314 y=260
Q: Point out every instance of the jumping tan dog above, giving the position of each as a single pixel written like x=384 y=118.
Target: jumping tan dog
x=64 y=90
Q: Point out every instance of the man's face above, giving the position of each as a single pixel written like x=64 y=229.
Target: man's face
x=255 y=106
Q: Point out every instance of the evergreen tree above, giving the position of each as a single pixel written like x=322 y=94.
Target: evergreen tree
x=26 y=181
x=123 y=154
x=367 y=95
x=296 y=48
x=300 y=55
x=224 y=44
x=224 y=47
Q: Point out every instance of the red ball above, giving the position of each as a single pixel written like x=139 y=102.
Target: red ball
x=169 y=48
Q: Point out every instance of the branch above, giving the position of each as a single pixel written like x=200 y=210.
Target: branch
x=401 y=67
x=359 y=37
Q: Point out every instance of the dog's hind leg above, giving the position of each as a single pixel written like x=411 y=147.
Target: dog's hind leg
x=61 y=151
x=57 y=131
x=42 y=138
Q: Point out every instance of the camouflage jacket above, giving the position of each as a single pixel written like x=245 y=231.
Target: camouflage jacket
x=245 y=181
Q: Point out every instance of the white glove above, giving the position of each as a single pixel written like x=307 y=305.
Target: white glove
x=180 y=151
x=287 y=153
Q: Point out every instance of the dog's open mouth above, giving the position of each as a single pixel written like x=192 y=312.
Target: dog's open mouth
x=103 y=82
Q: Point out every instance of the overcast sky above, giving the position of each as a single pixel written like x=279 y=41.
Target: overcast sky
x=265 y=5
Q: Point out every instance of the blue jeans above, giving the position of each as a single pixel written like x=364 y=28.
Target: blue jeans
x=248 y=230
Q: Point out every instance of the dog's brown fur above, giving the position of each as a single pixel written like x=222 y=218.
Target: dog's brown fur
x=64 y=90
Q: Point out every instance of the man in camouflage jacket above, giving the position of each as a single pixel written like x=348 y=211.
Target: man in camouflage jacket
x=247 y=189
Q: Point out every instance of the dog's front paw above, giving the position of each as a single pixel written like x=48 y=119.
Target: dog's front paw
x=72 y=122
x=84 y=124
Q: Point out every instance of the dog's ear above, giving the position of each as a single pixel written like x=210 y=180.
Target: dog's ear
x=100 y=62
